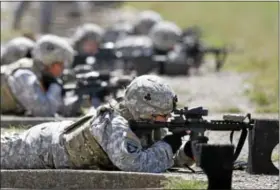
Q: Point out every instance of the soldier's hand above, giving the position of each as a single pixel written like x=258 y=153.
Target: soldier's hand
x=47 y=80
x=188 y=146
x=103 y=108
x=174 y=141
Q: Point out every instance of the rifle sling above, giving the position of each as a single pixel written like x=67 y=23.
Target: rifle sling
x=240 y=144
x=231 y=136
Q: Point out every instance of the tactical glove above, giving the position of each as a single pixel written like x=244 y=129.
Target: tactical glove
x=188 y=146
x=174 y=141
x=48 y=79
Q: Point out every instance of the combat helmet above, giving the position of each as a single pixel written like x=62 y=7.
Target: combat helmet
x=16 y=49
x=146 y=20
x=165 y=35
x=149 y=95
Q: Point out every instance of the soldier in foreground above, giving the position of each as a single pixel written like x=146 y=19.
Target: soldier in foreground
x=31 y=86
x=104 y=140
x=16 y=49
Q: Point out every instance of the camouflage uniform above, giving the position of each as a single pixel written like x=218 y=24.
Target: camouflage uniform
x=145 y=21
x=15 y=49
x=22 y=87
x=101 y=140
x=86 y=32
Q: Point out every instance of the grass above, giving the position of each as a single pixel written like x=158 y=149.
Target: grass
x=250 y=26
x=275 y=157
x=13 y=129
x=6 y=33
x=184 y=184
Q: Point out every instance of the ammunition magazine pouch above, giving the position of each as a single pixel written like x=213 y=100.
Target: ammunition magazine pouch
x=9 y=103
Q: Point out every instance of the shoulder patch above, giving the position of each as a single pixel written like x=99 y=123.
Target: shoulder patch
x=131 y=146
x=132 y=142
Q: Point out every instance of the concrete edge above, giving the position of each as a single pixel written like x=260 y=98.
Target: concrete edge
x=80 y=179
x=27 y=122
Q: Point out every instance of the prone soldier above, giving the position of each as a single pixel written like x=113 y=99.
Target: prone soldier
x=143 y=52
x=104 y=140
x=16 y=49
x=31 y=86
x=87 y=42
x=87 y=38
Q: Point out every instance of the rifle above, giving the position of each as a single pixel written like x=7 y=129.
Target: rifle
x=106 y=53
x=192 y=119
x=195 y=48
x=97 y=84
x=220 y=54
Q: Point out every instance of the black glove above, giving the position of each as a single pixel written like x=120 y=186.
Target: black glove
x=174 y=141
x=188 y=145
x=48 y=79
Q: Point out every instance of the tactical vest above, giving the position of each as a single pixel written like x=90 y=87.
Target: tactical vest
x=83 y=150
x=9 y=104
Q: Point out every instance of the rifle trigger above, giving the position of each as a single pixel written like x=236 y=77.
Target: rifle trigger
x=231 y=136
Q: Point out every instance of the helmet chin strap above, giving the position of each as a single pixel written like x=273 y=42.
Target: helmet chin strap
x=38 y=68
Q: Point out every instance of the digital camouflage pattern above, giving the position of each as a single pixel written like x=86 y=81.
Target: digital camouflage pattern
x=48 y=146
x=22 y=79
x=82 y=148
x=165 y=35
x=9 y=103
x=16 y=49
x=26 y=88
x=149 y=95
x=50 y=49
x=37 y=148
x=71 y=144
x=146 y=20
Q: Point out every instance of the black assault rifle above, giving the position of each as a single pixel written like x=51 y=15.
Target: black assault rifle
x=97 y=84
x=192 y=119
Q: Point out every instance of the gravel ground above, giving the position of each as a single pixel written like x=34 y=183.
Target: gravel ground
x=240 y=180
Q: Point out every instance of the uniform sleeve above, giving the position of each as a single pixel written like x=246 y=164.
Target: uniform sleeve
x=124 y=148
x=27 y=90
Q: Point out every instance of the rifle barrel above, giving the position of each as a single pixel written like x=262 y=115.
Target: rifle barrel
x=214 y=125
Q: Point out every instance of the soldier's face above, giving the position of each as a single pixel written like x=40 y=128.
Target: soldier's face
x=161 y=118
x=90 y=47
x=56 y=69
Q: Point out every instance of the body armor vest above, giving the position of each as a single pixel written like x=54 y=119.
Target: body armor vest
x=9 y=104
x=82 y=148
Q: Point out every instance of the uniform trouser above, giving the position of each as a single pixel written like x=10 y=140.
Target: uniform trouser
x=37 y=148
